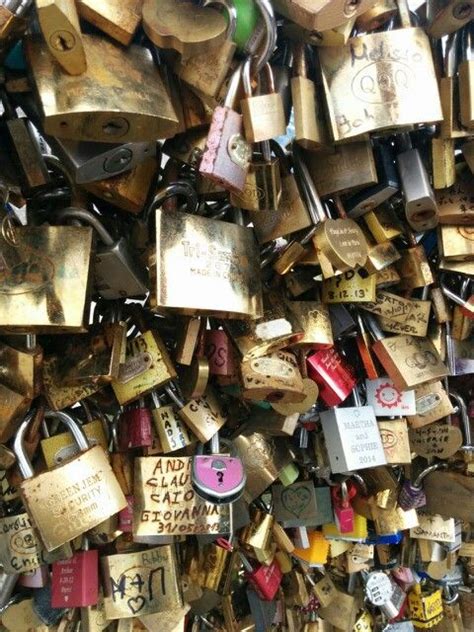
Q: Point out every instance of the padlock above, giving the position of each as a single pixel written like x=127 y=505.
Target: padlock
x=310 y=130
x=262 y=189
x=97 y=489
x=425 y=606
x=207 y=71
x=59 y=25
x=264 y=579
x=206 y=265
x=365 y=108
x=388 y=184
x=343 y=511
x=263 y=116
x=152 y=587
x=31 y=268
x=135 y=426
x=217 y=477
x=226 y=157
x=121 y=114
x=174 y=27
x=75 y=582
x=203 y=416
x=408 y=361
x=59 y=448
x=120 y=20
x=411 y=494
x=341 y=427
x=116 y=262
x=447 y=16
x=172 y=433
x=466 y=78
x=332 y=374
x=273 y=378
x=421 y=208
x=24 y=146
x=320 y=17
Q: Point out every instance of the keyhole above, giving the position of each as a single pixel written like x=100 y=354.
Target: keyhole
x=62 y=41
x=220 y=477
x=116 y=127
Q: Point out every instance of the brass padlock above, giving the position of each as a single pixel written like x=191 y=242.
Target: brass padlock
x=370 y=104
x=84 y=489
x=122 y=113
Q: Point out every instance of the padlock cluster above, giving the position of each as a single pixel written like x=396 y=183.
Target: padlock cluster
x=236 y=315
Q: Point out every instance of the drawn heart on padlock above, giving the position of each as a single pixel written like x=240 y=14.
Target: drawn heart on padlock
x=439 y=440
x=295 y=500
x=139 y=600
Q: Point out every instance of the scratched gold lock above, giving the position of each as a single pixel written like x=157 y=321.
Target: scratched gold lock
x=108 y=104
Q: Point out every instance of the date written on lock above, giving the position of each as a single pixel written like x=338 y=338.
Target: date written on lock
x=166 y=503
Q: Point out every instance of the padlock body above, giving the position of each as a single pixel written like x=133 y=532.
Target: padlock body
x=75 y=582
x=262 y=189
x=135 y=428
x=226 y=157
x=266 y=580
x=332 y=374
x=218 y=477
x=73 y=498
x=344 y=517
x=263 y=116
x=411 y=497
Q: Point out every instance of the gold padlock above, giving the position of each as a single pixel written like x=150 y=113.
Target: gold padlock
x=124 y=112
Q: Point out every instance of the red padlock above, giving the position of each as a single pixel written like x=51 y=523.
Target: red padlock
x=332 y=374
x=219 y=352
x=266 y=580
x=75 y=582
x=125 y=517
x=343 y=511
x=135 y=427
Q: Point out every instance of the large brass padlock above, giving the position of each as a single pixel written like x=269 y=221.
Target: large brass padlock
x=389 y=89
x=76 y=496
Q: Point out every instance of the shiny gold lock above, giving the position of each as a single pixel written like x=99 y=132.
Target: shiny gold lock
x=383 y=224
x=456 y=204
x=456 y=243
x=322 y=15
x=310 y=127
x=442 y=157
x=59 y=24
x=122 y=113
x=377 y=15
x=340 y=246
x=315 y=321
x=61 y=396
x=117 y=18
x=414 y=268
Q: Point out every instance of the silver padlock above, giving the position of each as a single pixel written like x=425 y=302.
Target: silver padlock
x=421 y=208
x=118 y=272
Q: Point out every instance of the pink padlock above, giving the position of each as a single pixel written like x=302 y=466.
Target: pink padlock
x=218 y=478
x=226 y=158
x=343 y=511
x=35 y=579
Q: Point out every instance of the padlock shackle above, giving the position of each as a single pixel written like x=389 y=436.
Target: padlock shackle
x=171 y=190
x=89 y=218
x=464 y=418
x=24 y=463
x=432 y=468
x=229 y=7
x=266 y=9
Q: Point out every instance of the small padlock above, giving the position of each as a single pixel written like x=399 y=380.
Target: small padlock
x=263 y=115
x=217 y=477
x=75 y=582
x=226 y=157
